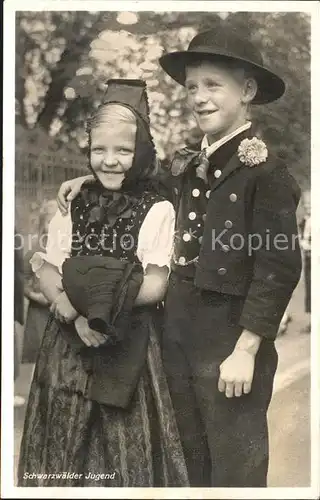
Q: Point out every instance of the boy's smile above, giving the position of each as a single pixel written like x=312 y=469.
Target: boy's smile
x=216 y=98
x=204 y=112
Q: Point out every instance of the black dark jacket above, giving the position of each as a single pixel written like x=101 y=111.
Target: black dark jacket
x=104 y=289
x=247 y=201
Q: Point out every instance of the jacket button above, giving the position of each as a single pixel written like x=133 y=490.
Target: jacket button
x=222 y=271
x=208 y=193
x=233 y=197
x=225 y=248
x=217 y=174
x=175 y=190
x=228 y=224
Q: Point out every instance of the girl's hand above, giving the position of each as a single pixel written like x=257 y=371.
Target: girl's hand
x=63 y=309
x=69 y=190
x=39 y=298
x=90 y=337
x=35 y=295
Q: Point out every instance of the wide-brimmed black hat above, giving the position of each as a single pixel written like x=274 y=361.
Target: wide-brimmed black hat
x=212 y=45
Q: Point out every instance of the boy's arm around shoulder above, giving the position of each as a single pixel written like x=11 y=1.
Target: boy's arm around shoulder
x=170 y=172
x=164 y=177
x=275 y=249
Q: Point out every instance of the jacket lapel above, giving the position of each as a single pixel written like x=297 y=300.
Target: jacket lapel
x=233 y=164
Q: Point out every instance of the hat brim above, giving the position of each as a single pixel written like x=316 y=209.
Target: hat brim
x=270 y=86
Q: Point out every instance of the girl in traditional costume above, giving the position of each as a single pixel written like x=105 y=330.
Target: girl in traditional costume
x=99 y=410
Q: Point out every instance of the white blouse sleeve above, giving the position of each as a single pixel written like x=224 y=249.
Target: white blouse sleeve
x=156 y=236
x=58 y=244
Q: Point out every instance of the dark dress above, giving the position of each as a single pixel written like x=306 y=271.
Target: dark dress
x=80 y=442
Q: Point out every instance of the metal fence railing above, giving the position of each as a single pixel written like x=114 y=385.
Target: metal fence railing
x=38 y=175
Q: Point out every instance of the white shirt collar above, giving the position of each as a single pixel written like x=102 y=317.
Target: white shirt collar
x=216 y=145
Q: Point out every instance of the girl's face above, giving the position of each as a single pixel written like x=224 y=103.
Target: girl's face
x=112 y=152
x=216 y=98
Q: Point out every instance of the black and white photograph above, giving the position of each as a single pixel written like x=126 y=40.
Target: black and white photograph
x=160 y=323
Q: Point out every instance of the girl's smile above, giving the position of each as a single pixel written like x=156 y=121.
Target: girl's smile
x=112 y=152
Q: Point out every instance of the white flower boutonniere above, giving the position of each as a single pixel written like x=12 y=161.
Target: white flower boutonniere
x=253 y=151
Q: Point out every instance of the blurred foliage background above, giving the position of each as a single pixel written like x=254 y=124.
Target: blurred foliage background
x=63 y=60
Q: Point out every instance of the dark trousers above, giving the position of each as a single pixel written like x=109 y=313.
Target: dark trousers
x=225 y=440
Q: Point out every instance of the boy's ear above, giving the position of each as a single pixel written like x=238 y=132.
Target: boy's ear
x=249 y=90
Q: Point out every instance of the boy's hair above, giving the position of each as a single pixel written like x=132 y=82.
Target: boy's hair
x=227 y=63
x=240 y=69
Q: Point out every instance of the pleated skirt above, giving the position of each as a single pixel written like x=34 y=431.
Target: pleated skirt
x=70 y=440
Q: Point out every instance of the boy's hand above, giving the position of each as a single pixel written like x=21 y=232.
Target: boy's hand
x=236 y=373
x=88 y=336
x=63 y=309
x=69 y=190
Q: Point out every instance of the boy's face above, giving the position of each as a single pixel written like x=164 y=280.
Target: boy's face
x=215 y=97
x=112 y=152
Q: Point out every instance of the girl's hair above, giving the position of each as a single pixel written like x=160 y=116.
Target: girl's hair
x=142 y=176
x=109 y=114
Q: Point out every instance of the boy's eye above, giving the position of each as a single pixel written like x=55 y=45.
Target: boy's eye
x=211 y=84
x=191 y=87
x=97 y=151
